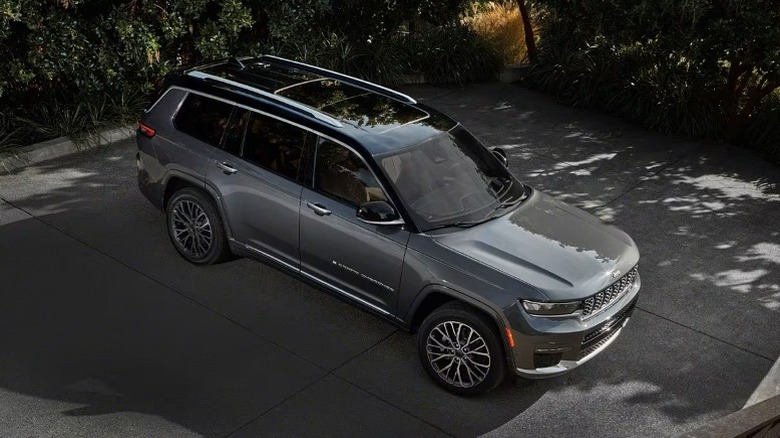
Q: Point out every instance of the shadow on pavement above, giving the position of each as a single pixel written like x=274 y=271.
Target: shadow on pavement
x=118 y=333
x=82 y=330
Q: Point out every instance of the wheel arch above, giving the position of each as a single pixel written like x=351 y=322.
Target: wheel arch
x=175 y=181
x=434 y=296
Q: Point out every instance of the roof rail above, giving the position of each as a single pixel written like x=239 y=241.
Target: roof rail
x=231 y=61
x=369 y=86
x=281 y=99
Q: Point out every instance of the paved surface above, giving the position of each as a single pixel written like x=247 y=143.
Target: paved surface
x=105 y=331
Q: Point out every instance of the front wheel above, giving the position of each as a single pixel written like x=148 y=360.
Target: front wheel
x=195 y=227
x=460 y=350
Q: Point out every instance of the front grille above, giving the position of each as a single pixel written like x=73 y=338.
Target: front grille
x=591 y=348
x=542 y=360
x=609 y=325
x=596 y=303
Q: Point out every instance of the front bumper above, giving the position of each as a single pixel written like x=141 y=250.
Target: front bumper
x=549 y=347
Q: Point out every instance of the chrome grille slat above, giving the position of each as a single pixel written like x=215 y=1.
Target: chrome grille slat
x=608 y=295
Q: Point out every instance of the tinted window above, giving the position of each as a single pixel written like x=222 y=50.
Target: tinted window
x=339 y=172
x=234 y=135
x=203 y=118
x=273 y=144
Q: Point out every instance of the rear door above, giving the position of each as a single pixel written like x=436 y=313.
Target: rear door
x=360 y=260
x=256 y=175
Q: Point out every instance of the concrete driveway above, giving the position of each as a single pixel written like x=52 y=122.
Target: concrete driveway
x=105 y=331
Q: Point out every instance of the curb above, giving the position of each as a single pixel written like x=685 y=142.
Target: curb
x=513 y=73
x=768 y=388
x=60 y=147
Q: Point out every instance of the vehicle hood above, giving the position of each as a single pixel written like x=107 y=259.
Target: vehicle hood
x=562 y=251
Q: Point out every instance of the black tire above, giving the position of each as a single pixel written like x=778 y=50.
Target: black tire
x=451 y=315
x=193 y=202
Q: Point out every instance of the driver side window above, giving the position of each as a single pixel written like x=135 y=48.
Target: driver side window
x=340 y=173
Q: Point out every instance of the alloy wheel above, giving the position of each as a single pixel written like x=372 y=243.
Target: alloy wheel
x=191 y=228
x=458 y=354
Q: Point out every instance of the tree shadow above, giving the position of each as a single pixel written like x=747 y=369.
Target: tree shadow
x=704 y=216
x=96 y=344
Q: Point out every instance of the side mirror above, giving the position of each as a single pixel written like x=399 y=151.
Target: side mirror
x=378 y=213
x=501 y=155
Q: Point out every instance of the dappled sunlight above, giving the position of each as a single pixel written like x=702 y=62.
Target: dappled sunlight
x=515 y=148
x=734 y=279
x=765 y=251
x=772 y=301
x=589 y=160
x=703 y=216
x=752 y=281
x=55 y=185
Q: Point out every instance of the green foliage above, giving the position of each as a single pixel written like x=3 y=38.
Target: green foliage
x=689 y=67
x=93 y=62
x=288 y=21
x=763 y=132
x=452 y=54
x=9 y=134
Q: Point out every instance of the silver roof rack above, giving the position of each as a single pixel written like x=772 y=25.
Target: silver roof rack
x=289 y=102
x=344 y=78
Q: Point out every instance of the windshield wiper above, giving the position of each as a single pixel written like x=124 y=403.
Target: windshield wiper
x=508 y=203
x=504 y=184
x=463 y=224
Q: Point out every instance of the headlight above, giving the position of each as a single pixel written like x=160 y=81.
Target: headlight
x=550 y=309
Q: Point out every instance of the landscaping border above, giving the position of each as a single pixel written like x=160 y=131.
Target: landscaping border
x=60 y=147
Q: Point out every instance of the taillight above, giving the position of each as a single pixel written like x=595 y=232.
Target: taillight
x=145 y=130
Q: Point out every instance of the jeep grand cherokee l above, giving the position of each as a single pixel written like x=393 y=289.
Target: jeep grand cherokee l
x=390 y=205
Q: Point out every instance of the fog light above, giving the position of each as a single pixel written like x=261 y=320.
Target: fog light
x=553 y=350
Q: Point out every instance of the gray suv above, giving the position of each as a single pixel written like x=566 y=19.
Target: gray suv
x=390 y=205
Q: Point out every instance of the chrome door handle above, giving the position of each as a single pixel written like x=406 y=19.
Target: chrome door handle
x=318 y=209
x=227 y=168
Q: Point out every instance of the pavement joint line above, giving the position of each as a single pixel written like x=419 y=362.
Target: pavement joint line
x=376 y=395
x=367 y=349
x=275 y=405
x=188 y=298
x=730 y=344
x=394 y=405
x=354 y=385
x=643 y=180
x=253 y=333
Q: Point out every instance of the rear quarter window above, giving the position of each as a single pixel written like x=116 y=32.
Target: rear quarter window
x=203 y=118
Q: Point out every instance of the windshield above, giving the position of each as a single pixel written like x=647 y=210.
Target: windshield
x=451 y=179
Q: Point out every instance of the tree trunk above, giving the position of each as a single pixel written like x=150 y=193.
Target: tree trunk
x=530 y=43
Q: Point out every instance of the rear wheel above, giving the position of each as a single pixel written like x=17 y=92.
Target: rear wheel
x=195 y=227
x=460 y=350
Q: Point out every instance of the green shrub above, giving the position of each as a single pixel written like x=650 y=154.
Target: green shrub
x=9 y=134
x=695 y=68
x=94 y=62
x=764 y=131
x=452 y=54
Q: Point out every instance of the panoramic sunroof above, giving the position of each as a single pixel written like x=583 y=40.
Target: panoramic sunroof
x=364 y=109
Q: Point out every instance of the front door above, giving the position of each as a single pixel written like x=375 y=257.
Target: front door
x=357 y=259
